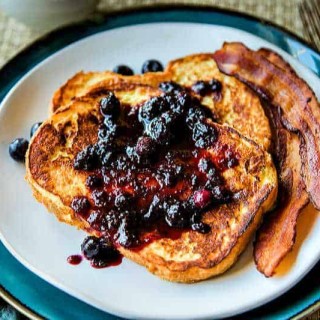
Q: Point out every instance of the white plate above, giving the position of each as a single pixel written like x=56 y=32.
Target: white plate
x=42 y=244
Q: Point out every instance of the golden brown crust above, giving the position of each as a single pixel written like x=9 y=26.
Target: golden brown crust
x=237 y=106
x=192 y=257
x=187 y=272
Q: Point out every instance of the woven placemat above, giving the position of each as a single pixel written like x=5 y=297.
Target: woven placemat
x=14 y=36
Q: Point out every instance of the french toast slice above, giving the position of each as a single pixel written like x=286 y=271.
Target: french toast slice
x=190 y=256
x=235 y=105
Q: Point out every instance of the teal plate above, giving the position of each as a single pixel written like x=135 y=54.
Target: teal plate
x=35 y=297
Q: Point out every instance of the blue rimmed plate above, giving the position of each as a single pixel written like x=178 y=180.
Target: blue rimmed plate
x=42 y=245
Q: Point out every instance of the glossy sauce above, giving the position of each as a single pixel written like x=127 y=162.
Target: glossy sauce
x=147 y=168
x=74 y=259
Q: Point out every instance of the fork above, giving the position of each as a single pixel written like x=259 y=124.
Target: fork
x=310 y=16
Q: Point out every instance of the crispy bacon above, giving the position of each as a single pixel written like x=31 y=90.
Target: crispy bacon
x=276 y=59
x=299 y=106
x=276 y=236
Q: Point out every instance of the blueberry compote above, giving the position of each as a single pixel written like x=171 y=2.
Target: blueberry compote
x=150 y=173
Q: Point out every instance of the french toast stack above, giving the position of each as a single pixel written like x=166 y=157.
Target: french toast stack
x=174 y=168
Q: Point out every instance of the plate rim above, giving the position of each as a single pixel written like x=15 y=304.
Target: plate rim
x=144 y=9
x=102 y=17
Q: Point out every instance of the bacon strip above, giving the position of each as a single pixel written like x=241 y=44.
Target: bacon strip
x=276 y=236
x=276 y=59
x=299 y=106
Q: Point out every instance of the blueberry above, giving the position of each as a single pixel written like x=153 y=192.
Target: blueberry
x=152 y=66
x=230 y=159
x=127 y=239
x=97 y=220
x=194 y=116
x=185 y=100
x=100 y=198
x=34 y=128
x=87 y=159
x=220 y=194
x=214 y=176
x=90 y=247
x=113 y=220
x=18 y=148
x=232 y=162
x=121 y=163
x=106 y=175
x=168 y=175
x=204 y=165
x=170 y=87
x=154 y=210
x=110 y=106
x=176 y=214
x=169 y=117
x=107 y=250
x=93 y=218
x=159 y=130
x=106 y=254
x=123 y=200
x=204 y=135
x=107 y=130
x=80 y=204
x=196 y=216
x=94 y=182
x=131 y=153
x=123 y=70
x=197 y=114
x=206 y=87
x=190 y=206
x=125 y=236
x=197 y=224
x=104 y=152
x=152 y=108
x=215 y=85
x=179 y=102
x=201 y=227
x=144 y=146
x=131 y=218
x=201 y=88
